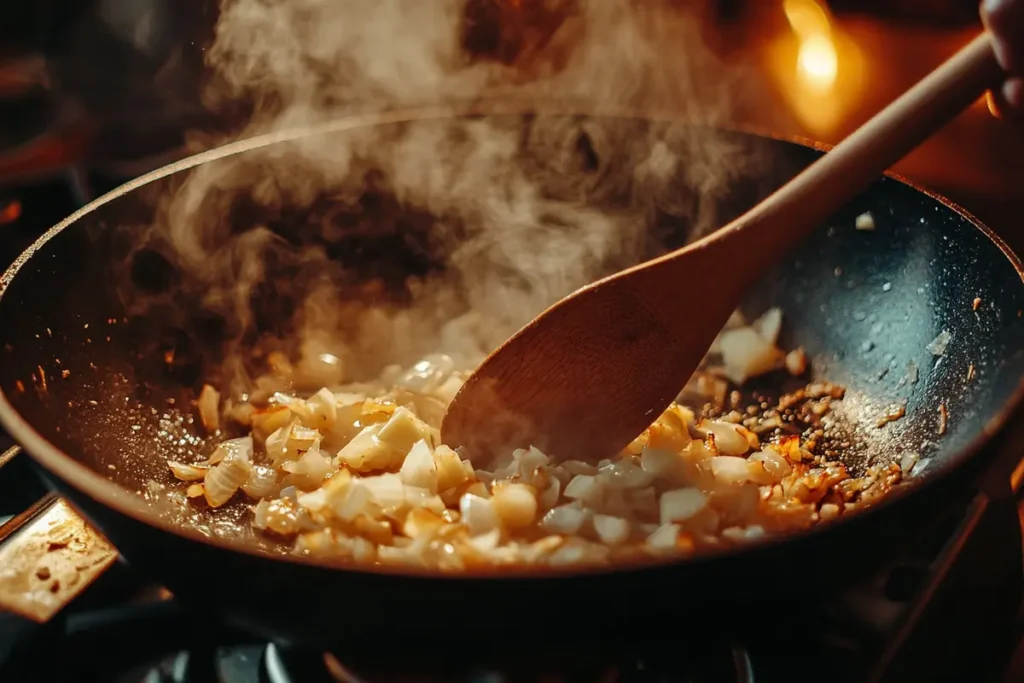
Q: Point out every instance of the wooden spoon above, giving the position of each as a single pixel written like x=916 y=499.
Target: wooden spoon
x=590 y=373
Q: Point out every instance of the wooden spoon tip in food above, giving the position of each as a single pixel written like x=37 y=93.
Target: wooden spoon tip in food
x=593 y=371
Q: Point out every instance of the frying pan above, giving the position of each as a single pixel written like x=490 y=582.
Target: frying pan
x=87 y=318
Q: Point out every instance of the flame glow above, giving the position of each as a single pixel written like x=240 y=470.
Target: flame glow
x=817 y=58
x=817 y=67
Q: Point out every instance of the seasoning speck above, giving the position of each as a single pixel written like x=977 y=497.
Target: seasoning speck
x=970 y=372
x=43 y=573
x=887 y=286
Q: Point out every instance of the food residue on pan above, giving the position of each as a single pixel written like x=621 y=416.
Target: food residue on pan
x=943 y=419
x=865 y=221
x=937 y=346
x=970 y=372
x=893 y=413
x=976 y=304
x=357 y=472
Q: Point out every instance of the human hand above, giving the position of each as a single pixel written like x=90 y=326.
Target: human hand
x=1005 y=20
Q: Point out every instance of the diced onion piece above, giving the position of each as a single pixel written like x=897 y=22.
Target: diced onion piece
x=769 y=325
x=530 y=459
x=208 y=406
x=728 y=438
x=403 y=430
x=366 y=452
x=262 y=482
x=195 y=490
x=776 y=465
x=663 y=464
x=314 y=500
x=478 y=514
x=446 y=392
x=516 y=505
x=548 y=498
x=419 y=522
x=387 y=489
x=865 y=221
x=627 y=475
x=730 y=470
x=186 y=472
x=564 y=519
x=354 y=500
x=450 y=472
x=670 y=432
x=747 y=354
x=584 y=487
x=611 y=530
x=665 y=537
x=796 y=362
x=288 y=443
x=419 y=468
x=232 y=448
x=269 y=420
x=309 y=471
x=224 y=479
x=323 y=409
x=682 y=504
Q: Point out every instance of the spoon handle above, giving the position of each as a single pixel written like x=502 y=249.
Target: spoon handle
x=762 y=235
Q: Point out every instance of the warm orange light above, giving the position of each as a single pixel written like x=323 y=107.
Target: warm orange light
x=806 y=17
x=818 y=62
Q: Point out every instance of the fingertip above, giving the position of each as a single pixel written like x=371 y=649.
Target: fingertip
x=1013 y=93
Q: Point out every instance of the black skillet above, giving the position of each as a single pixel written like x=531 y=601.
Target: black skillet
x=85 y=380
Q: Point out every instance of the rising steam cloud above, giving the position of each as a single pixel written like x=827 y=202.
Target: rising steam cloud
x=495 y=218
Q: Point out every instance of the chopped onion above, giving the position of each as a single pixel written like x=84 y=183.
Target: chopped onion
x=478 y=514
x=731 y=470
x=403 y=430
x=262 y=482
x=224 y=479
x=769 y=325
x=208 y=406
x=516 y=505
x=728 y=438
x=584 y=487
x=665 y=536
x=564 y=519
x=450 y=472
x=611 y=530
x=747 y=354
x=419 y=468
x=387 y=489
x=682 y=504
x=309 y=471
x=366 y=452
x=232 y=448
x=186 y=472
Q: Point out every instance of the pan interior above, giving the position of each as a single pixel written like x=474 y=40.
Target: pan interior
x=103 y=344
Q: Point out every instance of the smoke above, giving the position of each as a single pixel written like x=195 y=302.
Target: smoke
x=384 y=243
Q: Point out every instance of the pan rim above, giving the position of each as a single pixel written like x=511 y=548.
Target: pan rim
x=125 y=502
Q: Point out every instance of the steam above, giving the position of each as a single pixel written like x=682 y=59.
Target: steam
x=382 y=244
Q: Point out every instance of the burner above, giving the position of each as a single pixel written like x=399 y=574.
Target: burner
x=723 y=664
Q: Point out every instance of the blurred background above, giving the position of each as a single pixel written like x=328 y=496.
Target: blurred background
x=95 y=92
